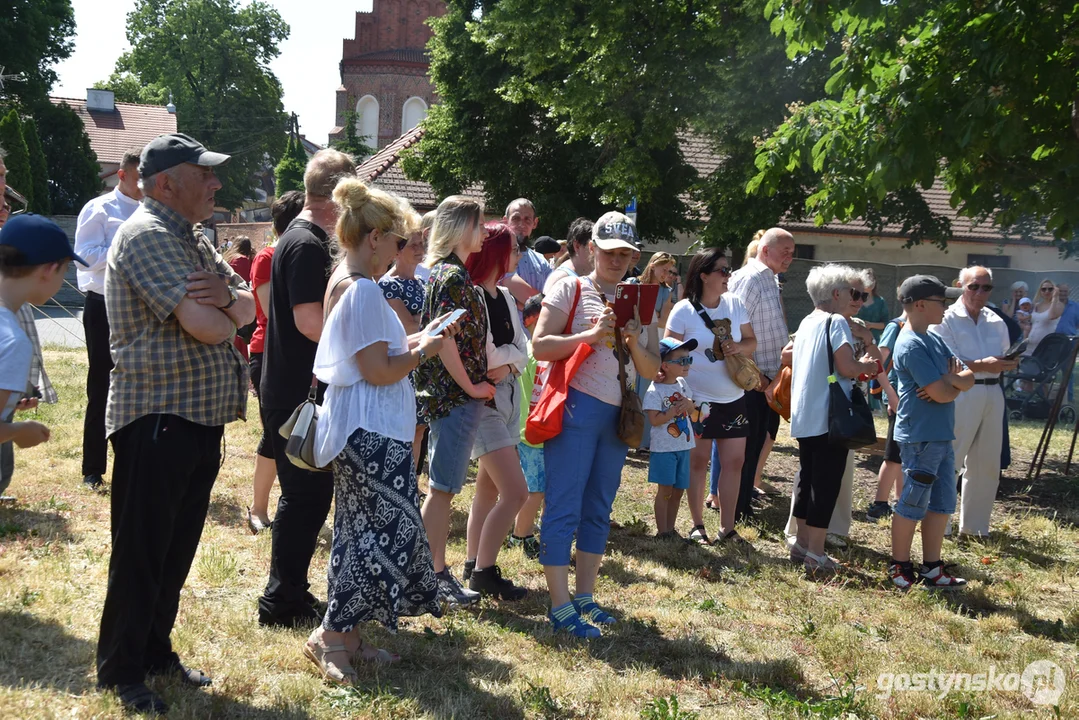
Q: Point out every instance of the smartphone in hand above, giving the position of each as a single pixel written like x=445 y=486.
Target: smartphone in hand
x=454 y=317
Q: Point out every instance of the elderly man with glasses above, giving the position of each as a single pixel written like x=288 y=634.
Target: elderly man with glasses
x=978 y=337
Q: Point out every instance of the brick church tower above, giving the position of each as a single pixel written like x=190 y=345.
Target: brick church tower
x=384 y=70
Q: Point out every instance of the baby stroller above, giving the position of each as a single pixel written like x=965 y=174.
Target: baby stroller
x=1041 y=370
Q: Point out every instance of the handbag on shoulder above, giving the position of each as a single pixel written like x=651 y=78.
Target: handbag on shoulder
x=741 y=369
x=631 y=414
x=545 y=419
x=850 y=421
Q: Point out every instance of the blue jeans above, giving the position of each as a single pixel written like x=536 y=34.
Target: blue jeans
x=450 y=449
x=584 y=469
x=928 y=479
x=713 y=475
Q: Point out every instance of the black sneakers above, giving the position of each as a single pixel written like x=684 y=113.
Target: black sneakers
x=878 y=510
x=489 y=581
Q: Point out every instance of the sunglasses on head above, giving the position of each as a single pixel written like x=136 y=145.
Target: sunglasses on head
x=975 y=287
x=683 y=361
x=858 y=295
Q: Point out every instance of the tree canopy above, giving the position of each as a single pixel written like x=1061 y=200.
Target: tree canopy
x=73 y=166
x=19 y=173
x=288 y=175
x=39 y=168
x=596 y=109
x=213 y=57
x=980 y=96
x=34 y=35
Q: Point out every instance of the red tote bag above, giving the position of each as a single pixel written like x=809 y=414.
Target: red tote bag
x=545 y=420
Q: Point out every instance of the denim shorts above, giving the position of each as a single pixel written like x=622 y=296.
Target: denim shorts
x=450 y=446
x=533 y=467
x=928 y=479
x=500 y=426
x=669 y=468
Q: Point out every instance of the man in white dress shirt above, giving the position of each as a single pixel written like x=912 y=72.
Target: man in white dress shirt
x=98 y=223
x=978 y=337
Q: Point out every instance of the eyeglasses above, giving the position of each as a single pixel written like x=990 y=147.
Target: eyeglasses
x=683 y=361
x=942 y=301
x=975 y=287
x=857 y=295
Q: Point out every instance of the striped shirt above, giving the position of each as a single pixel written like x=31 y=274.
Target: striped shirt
x=159 y=367
x=756 y=285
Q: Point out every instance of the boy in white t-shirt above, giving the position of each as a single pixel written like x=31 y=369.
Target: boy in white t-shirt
x=668 y=404
x=34 y=254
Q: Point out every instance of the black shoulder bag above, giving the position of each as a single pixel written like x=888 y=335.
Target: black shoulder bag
x=850 y=421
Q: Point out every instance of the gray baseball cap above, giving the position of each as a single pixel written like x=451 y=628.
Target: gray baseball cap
x=168 y=151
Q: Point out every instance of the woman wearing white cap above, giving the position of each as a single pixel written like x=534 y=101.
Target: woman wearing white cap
x=584 y=462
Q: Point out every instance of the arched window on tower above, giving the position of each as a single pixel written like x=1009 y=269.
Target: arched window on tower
x=414 y=111
x=367 y=120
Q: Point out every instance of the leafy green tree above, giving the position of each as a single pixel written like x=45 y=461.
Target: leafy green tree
x=72 y=164
x=288 y=175
x=128 y=89
x=34 y=36
x=39 y=169
x=352 y=143
x=597 y=108
x=213 y=56
x=19 y=173
x=979 y=96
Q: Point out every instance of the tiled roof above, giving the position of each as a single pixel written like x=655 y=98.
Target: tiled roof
x=697 y=151
x=938 y=200
x=383 y=170
x=114 y=133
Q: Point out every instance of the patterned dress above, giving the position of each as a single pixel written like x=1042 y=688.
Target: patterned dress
x=408 y=291
x=380 y=564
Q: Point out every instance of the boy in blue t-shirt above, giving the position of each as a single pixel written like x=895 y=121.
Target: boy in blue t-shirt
x=930 y=378
x=34 y=255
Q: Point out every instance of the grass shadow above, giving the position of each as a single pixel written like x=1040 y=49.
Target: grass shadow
x=20 y=522
x=43 y=653
x=224 y=510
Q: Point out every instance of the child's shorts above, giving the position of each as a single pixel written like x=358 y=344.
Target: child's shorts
x=532 y=466
x=669 y=468
x=928 y=479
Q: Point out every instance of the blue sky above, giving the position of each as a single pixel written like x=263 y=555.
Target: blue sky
x=307 y=66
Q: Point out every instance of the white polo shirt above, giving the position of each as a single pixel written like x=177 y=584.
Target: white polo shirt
x=98 y=222
x=973 y=341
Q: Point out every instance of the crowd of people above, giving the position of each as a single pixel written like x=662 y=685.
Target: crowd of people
x=428 y=342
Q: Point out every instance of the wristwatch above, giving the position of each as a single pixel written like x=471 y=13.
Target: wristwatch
x=233 y=297
x=423 y=355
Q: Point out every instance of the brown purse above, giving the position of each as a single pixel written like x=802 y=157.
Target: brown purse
x=631 y=414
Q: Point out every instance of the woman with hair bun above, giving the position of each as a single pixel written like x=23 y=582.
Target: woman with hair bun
x=380 y=562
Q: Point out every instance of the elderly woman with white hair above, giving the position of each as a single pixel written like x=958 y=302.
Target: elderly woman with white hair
x=837 y=294
x=1019 y=291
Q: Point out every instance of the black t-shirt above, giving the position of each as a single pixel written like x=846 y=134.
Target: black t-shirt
x=298 y=275
x=499 y=313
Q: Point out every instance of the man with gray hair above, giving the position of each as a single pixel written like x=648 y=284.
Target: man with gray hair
x=757 y=284
x=174 y=305
x=298 y=276
x=977 y=336
x=98 y=222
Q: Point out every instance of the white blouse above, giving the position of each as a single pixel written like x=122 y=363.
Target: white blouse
x=362 y=317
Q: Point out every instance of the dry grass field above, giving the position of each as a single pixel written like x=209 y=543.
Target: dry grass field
x=702 y=633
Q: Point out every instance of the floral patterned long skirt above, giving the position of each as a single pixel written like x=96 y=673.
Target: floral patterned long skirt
x=380 y=562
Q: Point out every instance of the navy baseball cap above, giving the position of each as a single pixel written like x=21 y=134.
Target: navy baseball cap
x=669 y=345
x=40 y=240
x=168 y=151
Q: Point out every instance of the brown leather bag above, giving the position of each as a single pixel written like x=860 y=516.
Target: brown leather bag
x=631 y=414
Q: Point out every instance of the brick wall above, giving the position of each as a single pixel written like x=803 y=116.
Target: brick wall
x=391 y=86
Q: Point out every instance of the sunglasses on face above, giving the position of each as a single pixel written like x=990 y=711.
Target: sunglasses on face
x=401 y=240
x=857 y=295
x=975 y=287
x=683 y=361
x=723 y=270
x=1047 y=289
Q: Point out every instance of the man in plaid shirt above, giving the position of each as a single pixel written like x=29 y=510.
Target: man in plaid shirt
x=756 y=284
x=173 y=306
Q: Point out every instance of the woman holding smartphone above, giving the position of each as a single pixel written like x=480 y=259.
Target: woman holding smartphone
x=452 y=389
